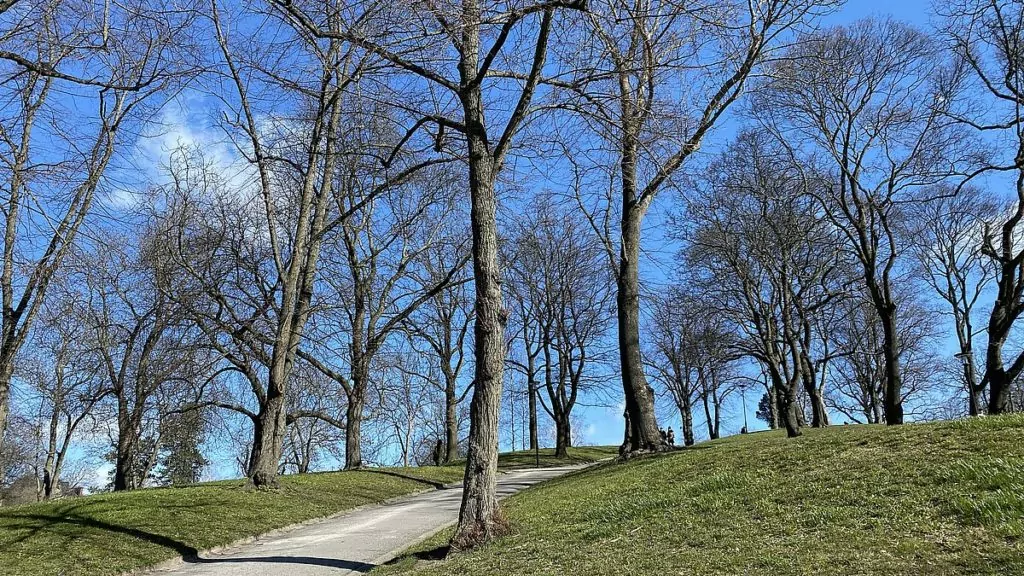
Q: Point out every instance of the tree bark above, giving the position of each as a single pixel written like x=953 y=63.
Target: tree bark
x=479 y=516
x=892 y=401
x=268 y=438
x=451 y=422
x=6 y=373
x=563 y=437
x=639 y=400
x=789 y=411
x=687 y=416
x=353 y=432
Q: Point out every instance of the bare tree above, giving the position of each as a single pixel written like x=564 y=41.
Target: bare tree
x=377 y=275
x=65 y=376
x=988 y=37
x=128 y=56
x=455 y=55
x=949 y=233
x=756 y=240
x=562 y=289
x=650 y=80
x=866 y=105
x=442 y=324
x=143 y=346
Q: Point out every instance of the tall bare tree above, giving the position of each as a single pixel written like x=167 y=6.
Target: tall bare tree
x=377 y=275
x=988 y=38
x=107 y=67
x=561 y=284
x=650 y=80
x=456 y=56
x=866 y=104
x=949 y=233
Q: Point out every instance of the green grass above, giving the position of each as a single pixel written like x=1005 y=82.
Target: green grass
x=109 y=534
x=581 y=455
x=928 y=499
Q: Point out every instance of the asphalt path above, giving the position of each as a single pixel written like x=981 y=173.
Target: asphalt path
x=352 y=543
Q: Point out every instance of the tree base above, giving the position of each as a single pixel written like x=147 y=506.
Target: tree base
x=264 y=482
x=480 y=532
x=626 y=454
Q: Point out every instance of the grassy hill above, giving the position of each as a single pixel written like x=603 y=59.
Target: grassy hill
x=927 y=499
x=113 y=533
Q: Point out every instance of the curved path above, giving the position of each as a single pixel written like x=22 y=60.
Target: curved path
x=352 y=543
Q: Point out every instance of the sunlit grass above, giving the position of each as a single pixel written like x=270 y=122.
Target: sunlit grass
x=944 y=498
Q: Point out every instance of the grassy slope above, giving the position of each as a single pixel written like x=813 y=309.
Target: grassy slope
x=113 y=533
x=943 y=498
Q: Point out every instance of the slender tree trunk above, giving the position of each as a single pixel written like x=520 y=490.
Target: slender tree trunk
x=639 y=399
x=893 y=399
x=687 y=416
x=451 y=423
x=479 y=515
x=6 y=373
x=708 y=417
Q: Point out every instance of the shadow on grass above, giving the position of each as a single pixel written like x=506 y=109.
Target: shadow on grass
x=70 y=517
x=434 y=483
x=432 y=555
x=189 y=554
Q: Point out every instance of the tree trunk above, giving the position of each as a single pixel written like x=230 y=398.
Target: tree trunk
x=999 y=392
x=6 y=373
x=563 y=436
x=687 y=416
x=479 y=515
x=892 y=402
x=451 y=423
x=123 y=456
x=268 y=438
x=789 y=411
x=353 y=433
x=639 y=399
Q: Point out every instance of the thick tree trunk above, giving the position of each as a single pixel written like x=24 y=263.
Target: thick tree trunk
x=353 y=433
x=563 y=436
x=999 y=392
x=268 y=439
x=639 y=399
x=789 y=411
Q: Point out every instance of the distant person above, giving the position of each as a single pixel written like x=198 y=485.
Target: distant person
x=743 y=430
x=664 y=436
x=671 y=436
x=438 y=451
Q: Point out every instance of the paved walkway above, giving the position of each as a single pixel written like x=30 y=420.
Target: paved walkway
x=353 y=543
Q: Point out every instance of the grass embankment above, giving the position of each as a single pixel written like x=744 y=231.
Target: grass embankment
x=109 y=534
x=928 y=499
